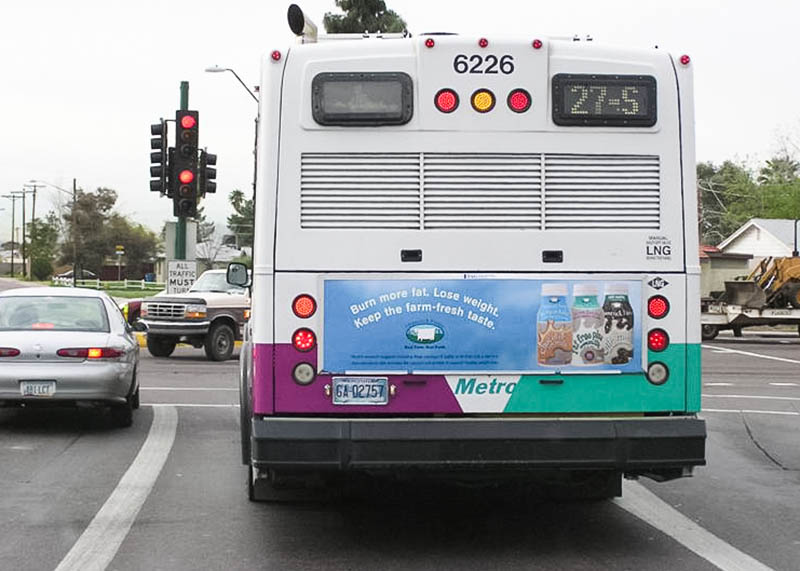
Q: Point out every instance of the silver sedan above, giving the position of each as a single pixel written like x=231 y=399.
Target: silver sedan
x=65 y=345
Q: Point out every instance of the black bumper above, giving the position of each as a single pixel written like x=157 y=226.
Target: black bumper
x=636 y=446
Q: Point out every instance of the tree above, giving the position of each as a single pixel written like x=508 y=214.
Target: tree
x=141 y=244
x=363 y=16
x=242 y=221
x=93 y=210
x=43 y=245
x=779 y=170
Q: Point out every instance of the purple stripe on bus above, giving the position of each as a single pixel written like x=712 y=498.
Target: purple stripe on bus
x=417 y=394
x=262 y=378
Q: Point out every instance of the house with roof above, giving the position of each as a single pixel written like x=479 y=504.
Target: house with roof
x=761 y=238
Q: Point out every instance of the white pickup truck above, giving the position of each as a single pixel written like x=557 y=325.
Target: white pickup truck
x=211 y=315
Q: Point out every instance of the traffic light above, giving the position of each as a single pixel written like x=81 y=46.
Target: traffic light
x=207 y=174
x=158 y=157
x=184 y=170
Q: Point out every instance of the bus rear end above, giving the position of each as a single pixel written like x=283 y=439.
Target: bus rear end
x=474 y=256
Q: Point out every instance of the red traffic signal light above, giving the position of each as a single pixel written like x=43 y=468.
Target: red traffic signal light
x=186 y=176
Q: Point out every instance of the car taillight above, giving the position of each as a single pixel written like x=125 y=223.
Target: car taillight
x=657 y=306
x=657 y=340
x=446 y=100
x=519 y=101
x=304 y=339
x=8 y=352
x=91 y=352
x=304 y=306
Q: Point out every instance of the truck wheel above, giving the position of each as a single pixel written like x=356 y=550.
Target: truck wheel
x=737 y=331
x=793 y=293
x=219 y=342
x=708 y=332
x=160 y=346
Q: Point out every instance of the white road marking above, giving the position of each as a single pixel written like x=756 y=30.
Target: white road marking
x=784 y=384
x=749 y=354
x=752 y=411
x=188 y=389
x=754 y=397
x=189 y=405
x=99 y=543
x=647 y=506
x=718 y=385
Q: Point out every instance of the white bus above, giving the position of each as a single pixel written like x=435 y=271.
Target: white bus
x=476 y=256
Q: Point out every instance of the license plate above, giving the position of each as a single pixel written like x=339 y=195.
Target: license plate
x=360 y=390
x=37 y=388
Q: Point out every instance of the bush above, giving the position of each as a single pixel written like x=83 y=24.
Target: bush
x=41 y=268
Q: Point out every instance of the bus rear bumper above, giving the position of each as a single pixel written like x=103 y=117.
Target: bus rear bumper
x=662 y=448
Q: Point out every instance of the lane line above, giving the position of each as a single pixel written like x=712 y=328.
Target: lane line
x=644 y=504
x=100 y=541
x=749 y=354
x=784 y=384
x=189 y=405
x=718 y=385
x=188 y=389
x=752 y=411
x=754 y=397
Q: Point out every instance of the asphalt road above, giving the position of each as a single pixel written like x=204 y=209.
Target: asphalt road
x=58 y=468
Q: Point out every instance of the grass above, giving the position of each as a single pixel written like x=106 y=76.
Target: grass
x=130 y=293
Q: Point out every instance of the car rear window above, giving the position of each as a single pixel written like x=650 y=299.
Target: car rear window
x=40 y=313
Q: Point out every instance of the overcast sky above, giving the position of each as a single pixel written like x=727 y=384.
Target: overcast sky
x=83 y=80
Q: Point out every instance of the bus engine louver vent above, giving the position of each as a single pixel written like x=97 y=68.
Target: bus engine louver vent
x=440 y=191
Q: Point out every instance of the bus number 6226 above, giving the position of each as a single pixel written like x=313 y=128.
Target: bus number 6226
x=483 y=64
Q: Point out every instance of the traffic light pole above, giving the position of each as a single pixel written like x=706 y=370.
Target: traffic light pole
x=180 y=229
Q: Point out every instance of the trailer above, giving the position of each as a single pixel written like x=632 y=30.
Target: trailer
x=717 y=315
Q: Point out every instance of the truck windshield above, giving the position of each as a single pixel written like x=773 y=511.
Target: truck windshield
x=216 y=282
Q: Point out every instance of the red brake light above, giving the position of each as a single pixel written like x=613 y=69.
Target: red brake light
x=657 y=306
x=446 y=100
x=429 y=43
x=186 y=176
x=519 y=100
x=187 y=121
x=8 y=352
x=657 y=340
x=537 y=44
x=685 y=59
x=304 y=340
x=483 y=42
x=276 y=55
x=304 y=306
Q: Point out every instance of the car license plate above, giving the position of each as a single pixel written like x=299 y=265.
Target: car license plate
x=360 y=390
x=37 y=388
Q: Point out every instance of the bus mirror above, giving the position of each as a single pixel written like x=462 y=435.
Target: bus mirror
x=237 y=274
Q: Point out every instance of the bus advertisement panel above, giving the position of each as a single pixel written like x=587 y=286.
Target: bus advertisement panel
x=494 y=325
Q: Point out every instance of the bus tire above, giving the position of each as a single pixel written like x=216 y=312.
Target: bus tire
x=219 y=342
x=709 y=332
x=244 y=415
x=160 y=346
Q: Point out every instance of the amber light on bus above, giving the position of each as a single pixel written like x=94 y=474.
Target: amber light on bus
x=657 y=340
x=483 y=101
x=446 y=100
x=304 y=306
x=519 y=101
x=657 y=306
x=304 y=340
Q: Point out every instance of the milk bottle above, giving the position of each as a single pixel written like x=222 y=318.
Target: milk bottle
x=618 y=327
x=554 y=326
x=587 y=326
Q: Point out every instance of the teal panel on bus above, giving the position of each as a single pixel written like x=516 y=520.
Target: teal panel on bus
x=693 y=377
x=605 y=393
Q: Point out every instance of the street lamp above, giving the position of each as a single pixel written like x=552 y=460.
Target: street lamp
x=217 y=69
x=74 y=194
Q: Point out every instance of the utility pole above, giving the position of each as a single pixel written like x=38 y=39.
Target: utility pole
x=33 y=188
x=75 y=234
x=13 y=197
